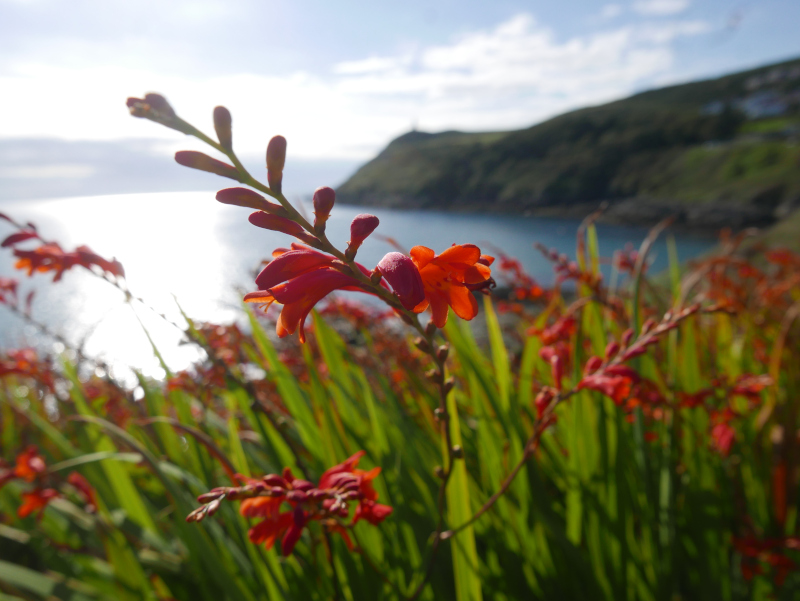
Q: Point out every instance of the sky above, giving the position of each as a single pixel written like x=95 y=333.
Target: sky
x=338 y=79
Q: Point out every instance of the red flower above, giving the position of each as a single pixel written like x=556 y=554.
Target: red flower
x=616 y=387
x=84 y=489
x=51 y=257
x=723 y=436
x=30 y=465
x=445 y=278
x=404 y=278
x=36 y=500
x=299 y=295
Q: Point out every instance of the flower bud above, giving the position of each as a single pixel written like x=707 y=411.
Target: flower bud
x=438 y=413
x=213 y=507
x=430 y=329
x=627 y=336
x=361 y=227
x=282 y=224
x=592 y=365
x=242 y=197
x=276 y=158
x=611 y=350
x=296 y=496
x=203 y=162
x=449 y=383
x=422 y=344
x=458 y=452
x=375 y=277
x=222 y=125
x=404 y=278
x=438 y=471
x=441 y=353
x=434 y=375
x=324 y=199
x=557 y=369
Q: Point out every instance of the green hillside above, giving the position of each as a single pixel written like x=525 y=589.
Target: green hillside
x=701 y=149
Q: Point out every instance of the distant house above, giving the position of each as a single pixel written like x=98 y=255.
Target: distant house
x=763 y=104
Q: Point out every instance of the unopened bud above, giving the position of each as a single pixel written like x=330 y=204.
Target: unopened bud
x=438 y=413
x=458 y=452
x=274 y=480
x=438 y=471
x=611 y=350
x=375 y=277
x=361 y=227
x=242 y=197
x=296 y=496
x=647 y=326
x=276 y=158
x=324 y=199
x=422 y=344
x=449 y=383
x=213 y=507
x=434 y=375
x=222 y=125
x=441 y=353
x=203 y=162
x=627 y=336
x=430 y=329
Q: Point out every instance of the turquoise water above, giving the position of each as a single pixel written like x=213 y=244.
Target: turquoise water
x=188 y=248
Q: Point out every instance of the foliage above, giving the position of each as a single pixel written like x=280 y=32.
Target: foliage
x=607 y=152
x=641 y=445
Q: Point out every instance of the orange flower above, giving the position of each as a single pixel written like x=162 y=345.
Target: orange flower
x=446 y=278
x=30 y=465
x=36 y=500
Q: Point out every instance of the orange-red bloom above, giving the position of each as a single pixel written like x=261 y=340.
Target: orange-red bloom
x=36 y=501
x=445 y=278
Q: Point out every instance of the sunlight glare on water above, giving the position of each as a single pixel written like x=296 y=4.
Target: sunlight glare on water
x=186 y=248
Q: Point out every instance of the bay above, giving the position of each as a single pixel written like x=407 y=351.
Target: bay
x=185 y=249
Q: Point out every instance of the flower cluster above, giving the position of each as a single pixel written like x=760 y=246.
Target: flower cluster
x=50 y=257
x=759 y=555
x=328 y=503
x=30 y=468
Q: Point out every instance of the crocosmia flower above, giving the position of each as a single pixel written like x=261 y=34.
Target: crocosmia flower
x=404 y=278
x=446 y=278
x=286 y=504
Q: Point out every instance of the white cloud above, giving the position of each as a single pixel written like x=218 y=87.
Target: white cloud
x=660 y=7
x=611 y=10
x=511 y=76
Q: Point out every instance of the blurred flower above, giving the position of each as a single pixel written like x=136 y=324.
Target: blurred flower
x=36 y=501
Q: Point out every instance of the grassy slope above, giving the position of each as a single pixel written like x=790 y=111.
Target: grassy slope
x=655 y=144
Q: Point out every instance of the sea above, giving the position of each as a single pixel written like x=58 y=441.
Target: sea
x=185 y=252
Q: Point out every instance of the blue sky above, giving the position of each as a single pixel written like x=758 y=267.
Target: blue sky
x=341 y=79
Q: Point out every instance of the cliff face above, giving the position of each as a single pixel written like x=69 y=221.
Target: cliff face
x=708 y=150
